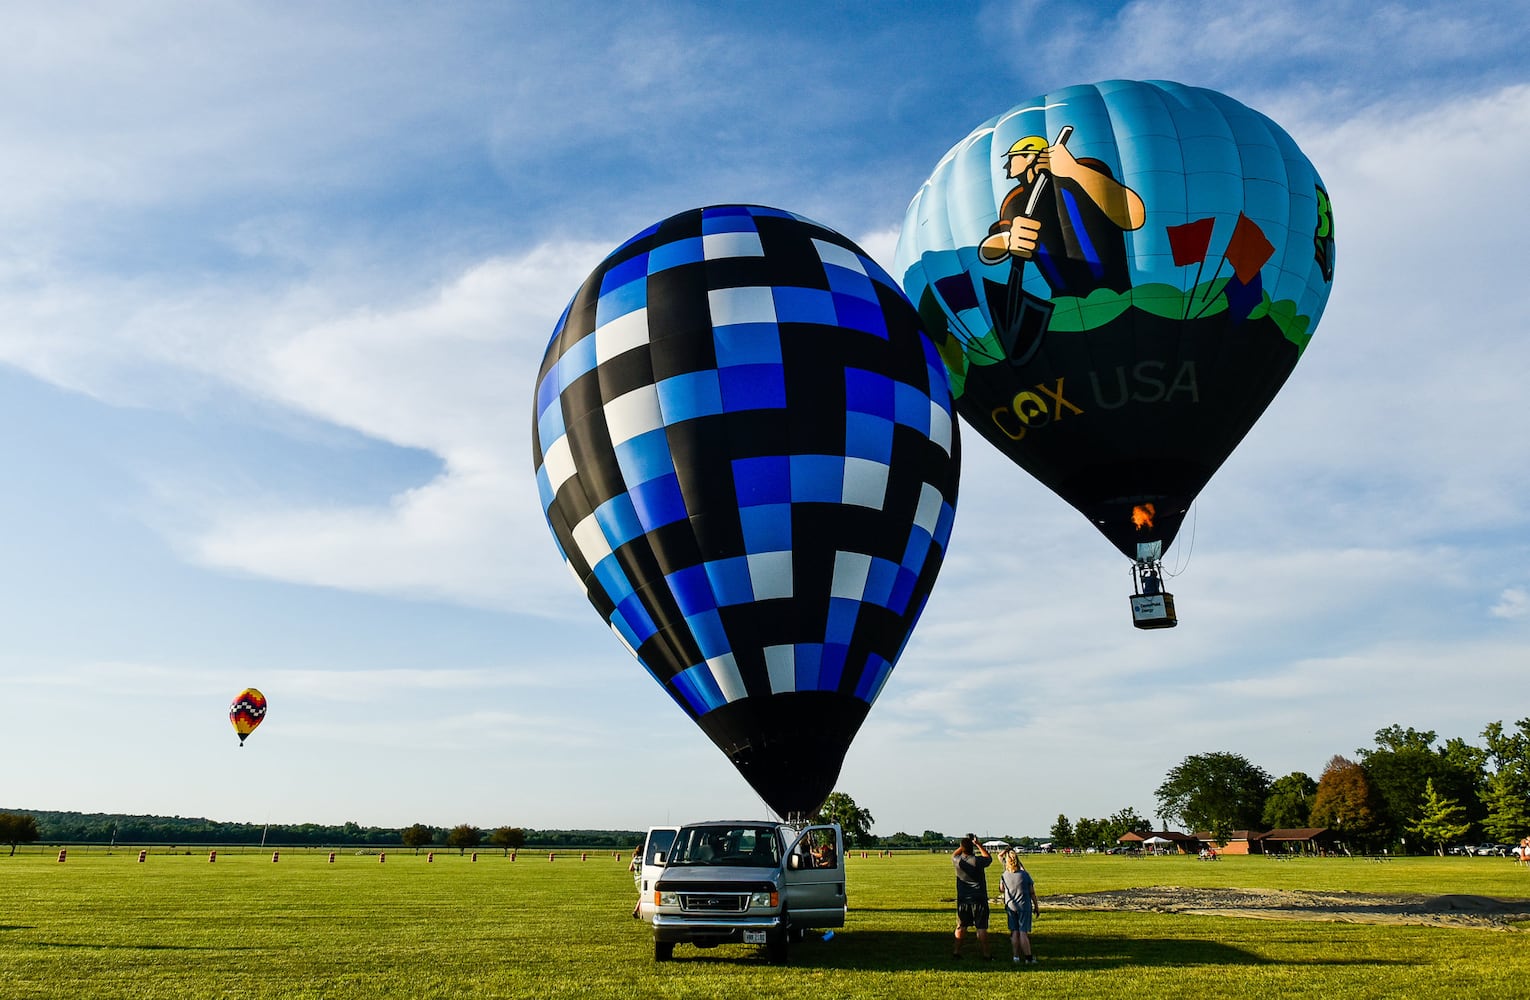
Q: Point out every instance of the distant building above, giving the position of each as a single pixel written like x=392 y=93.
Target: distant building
x=1307 y=840
x=1178 y=843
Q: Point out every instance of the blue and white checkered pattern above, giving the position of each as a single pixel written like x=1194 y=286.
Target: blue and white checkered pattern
x=745 y=449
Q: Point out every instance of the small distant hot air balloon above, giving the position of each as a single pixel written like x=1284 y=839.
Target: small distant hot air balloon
x=746 y=452
x=1120 y=277
x=247 y=711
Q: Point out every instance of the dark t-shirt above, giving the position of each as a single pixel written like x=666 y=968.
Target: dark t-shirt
x=971 y=880
x=1079 y=248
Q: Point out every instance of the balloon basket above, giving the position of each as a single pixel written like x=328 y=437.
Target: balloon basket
x=1152 y=606
x=1153 y=611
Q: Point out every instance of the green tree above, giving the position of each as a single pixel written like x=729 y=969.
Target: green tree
x=1088 y=833
x=1123 y=822
x=510 y=838
x=1506 y=793
x=1508 y=751
x=1289 y=804
x=1440 y=820
x=463 y=836
x=1396 y=739
x=841 y=808
x=1062 y=832
x=1346 y=803
x=1404 y=761
x=16 y=829
x=1508 y=808
x=1219 y=792
x=417 y=836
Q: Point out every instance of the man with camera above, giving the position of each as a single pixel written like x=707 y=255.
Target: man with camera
x=970 y=859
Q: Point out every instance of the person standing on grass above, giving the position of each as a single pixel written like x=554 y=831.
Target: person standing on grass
x=1019 y=906
x=969 y=859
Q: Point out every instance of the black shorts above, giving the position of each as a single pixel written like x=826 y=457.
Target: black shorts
x=972 y=913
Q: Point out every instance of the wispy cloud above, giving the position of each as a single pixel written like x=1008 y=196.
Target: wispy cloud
x=372 y=241
x=1513 y=604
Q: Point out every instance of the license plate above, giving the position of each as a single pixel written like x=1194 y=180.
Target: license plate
x=754 y=937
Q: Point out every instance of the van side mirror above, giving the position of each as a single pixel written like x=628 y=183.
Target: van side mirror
x=658 y=859
x=794 y=862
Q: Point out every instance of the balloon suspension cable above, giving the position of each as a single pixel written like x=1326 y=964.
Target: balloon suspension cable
x=1182 y=559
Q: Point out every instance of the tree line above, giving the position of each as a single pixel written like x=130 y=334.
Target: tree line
x=25 y=826
x=1408 y=793
x=1101 y=834
x=30 y=826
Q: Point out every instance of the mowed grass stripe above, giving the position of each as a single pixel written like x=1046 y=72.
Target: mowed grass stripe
x=104 y=926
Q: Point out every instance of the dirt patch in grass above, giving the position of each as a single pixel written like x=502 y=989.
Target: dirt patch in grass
x=1295 y=904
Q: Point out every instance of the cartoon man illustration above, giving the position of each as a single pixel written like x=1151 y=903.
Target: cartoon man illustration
x=1071 y=228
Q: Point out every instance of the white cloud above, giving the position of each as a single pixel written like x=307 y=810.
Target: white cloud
x=1343 y=53
x=198 y=681
x=177 y=102
x=182 y=225
x=1513 y=604
x=451 y=374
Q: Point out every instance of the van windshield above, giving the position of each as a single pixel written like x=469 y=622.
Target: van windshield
x=738 y=845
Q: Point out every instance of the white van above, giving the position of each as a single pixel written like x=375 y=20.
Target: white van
x=741 y=881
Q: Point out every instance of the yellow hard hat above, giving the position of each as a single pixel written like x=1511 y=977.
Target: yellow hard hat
x=1030 y=144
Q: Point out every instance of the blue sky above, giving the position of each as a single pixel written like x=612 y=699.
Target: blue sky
x=274 y=281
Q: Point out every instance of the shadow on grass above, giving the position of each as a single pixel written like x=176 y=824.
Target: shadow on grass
x=898 y=951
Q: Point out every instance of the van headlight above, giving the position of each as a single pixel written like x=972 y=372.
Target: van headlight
x=666 y=898
x=764 y=899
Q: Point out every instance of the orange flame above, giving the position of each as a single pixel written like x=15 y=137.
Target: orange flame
x=1142 y=516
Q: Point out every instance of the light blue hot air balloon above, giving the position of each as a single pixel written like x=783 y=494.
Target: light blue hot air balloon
x=1119 y=278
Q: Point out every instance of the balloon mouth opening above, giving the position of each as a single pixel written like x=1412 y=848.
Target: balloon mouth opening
x=788 y=747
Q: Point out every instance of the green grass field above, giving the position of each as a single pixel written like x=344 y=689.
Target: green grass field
x=105 y=926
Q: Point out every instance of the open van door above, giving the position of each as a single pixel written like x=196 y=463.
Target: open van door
x=815 y=877
x=647 y=868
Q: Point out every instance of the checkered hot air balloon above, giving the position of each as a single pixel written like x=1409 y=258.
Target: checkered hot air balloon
x=247 y=712
x=747 y=455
